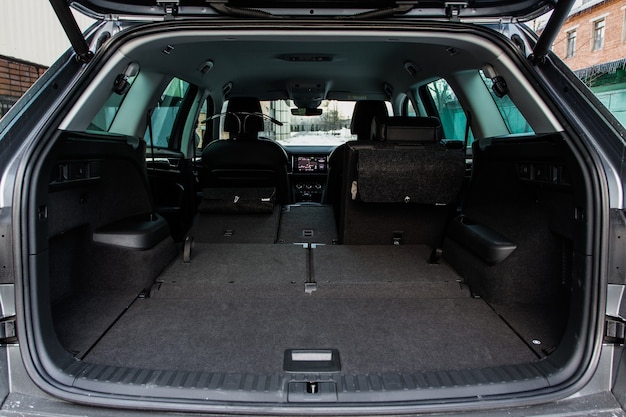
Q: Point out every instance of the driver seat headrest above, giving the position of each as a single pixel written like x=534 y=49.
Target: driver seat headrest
x=241 y=121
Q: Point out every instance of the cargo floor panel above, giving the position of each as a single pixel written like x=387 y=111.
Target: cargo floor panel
x=383 y=271
x=82 y=319
x=251 y=335
x=340 y=271
x=248 y=267
x=236 y=308
x=307 y=223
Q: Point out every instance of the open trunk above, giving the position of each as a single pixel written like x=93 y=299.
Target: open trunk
x=277 y=307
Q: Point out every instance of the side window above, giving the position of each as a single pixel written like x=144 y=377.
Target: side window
x=164 y=114
x=513 y=118
x=104 y=118
x=447 y=108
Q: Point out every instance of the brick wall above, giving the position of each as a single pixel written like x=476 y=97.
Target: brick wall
x=614 y=14
x=16 y=77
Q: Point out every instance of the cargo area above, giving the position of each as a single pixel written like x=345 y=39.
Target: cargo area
x=236 y=308
x=419 y=300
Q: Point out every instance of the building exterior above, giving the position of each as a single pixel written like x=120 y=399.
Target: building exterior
x=594 y=33
x=26 y=53
x=16 y=76
x=30 y=31
x=592 y=42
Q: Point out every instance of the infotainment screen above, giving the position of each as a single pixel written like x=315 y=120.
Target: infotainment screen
x=311 y=164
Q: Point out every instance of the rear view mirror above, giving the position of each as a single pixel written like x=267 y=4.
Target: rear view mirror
x=302 y=111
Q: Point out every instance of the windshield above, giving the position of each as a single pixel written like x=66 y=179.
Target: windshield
x=331 y=127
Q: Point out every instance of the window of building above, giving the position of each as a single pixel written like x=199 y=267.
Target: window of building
x=571 y=44
x=598 y=34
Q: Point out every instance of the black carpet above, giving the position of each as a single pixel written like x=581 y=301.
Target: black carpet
x=251 y=335
x=237 y=309
x=307 y=223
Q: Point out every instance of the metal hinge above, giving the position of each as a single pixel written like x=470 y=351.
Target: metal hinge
x=453 y=9
x=614 y=330
x=8 y=334
x=170 y=8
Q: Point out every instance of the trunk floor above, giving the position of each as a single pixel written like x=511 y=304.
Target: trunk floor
x=384 y=308
x=251 y=335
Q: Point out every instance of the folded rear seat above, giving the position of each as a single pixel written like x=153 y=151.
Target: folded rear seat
x=402 y=188
x=237 y=215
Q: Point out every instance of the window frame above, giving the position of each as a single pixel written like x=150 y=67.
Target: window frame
x=623 y=24
x=595 y=30
x=570 y=44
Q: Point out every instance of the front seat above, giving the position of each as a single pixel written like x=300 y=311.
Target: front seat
x=245 y=160
x=365 y=111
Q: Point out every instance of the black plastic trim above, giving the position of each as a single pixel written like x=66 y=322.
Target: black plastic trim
x=483 y=241
x=140 y=233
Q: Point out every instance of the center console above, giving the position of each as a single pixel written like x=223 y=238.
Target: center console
x=308 y=178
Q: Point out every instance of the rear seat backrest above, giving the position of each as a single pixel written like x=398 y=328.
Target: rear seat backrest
x=406 y=182
x=411 y=166
x=365 y=112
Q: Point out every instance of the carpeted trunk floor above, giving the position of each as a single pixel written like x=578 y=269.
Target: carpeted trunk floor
x=237 y=308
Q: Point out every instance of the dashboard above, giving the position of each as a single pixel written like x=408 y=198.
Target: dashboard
x=310 y=163
x=309 y=171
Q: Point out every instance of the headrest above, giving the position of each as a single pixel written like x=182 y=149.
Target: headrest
x=364 y=112
x=407 y=129
x=242 y=121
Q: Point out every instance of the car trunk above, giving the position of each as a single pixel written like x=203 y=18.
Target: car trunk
x=132 y=312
